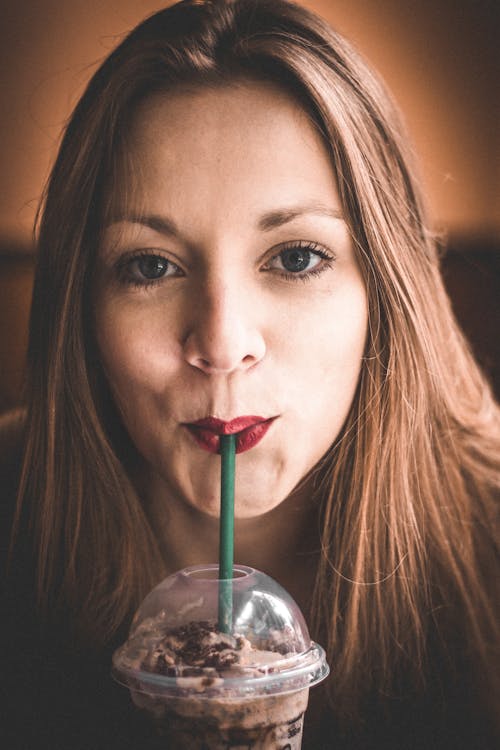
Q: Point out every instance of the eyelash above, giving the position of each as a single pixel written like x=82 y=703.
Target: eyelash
x=125 y=263
x=124 y=269
x=327 y=257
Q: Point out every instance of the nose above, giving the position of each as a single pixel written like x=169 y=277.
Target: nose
x=223 y=335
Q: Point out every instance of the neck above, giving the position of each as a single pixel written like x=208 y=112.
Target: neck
x=284 y=543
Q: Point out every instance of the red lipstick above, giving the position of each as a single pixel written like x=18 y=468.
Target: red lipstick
x=249 y=431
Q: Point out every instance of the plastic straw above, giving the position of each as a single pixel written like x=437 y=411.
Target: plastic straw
x=226 y=532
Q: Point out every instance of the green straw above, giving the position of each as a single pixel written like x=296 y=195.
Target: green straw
x=226 y=532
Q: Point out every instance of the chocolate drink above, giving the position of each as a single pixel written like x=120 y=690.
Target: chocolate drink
x=200 y=658
x=208 y=690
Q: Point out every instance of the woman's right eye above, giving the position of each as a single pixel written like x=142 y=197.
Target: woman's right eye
x=147 y=268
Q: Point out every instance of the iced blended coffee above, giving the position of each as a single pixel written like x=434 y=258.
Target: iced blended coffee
x=208 y=689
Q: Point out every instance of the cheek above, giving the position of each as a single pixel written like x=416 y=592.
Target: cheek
x=135 y=352
x=132 y=343
x=330 y=344
x=329 y=361
x=343 y=349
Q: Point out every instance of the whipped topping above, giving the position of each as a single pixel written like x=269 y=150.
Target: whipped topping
x=199 y=648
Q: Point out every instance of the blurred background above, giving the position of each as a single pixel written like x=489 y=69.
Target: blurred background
x=440 y=59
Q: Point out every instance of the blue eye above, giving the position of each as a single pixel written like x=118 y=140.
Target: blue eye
x=152 y=266
x=147 y=268
x=297 y=259
x=300 y=261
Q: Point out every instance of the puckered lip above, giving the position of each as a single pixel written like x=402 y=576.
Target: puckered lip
x=249 y=431
x=221 y=427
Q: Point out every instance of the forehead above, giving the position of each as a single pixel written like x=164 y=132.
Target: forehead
x=246 y=140
x=227 y=107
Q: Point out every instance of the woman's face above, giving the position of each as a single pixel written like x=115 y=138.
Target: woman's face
x=226 y=287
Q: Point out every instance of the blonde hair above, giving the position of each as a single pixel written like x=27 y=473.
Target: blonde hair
x=407 y=490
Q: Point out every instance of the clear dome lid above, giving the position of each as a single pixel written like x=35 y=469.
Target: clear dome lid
x=176 y=647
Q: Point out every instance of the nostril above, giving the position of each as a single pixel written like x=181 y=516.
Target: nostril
x=221 y=347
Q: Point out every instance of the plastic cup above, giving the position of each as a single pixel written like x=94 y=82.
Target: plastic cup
x=207 y=690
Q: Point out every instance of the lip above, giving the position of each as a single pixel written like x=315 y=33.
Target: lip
x=249 y=431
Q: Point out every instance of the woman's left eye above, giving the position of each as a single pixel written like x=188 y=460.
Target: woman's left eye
x=299 y=261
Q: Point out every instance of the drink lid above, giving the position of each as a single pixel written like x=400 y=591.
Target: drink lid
x=176 y=649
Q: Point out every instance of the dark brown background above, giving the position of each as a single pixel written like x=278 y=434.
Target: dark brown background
x=439 y=57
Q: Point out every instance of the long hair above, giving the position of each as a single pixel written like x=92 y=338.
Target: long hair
x=407 y=490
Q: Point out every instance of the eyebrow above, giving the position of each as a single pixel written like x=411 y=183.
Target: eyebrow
x=277 y=218
x=267 y=222
x=160 y=224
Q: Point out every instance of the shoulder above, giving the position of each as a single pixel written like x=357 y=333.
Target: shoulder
x=11 y=450
x=11 y=438
x=11 y=427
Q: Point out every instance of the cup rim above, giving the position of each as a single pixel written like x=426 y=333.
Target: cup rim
x=307 y=669
x=192 y=571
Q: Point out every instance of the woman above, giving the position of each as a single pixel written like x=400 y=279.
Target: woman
x=231 y=229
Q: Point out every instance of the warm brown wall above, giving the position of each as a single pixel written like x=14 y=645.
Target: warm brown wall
x=438 y=56
x=441 y=60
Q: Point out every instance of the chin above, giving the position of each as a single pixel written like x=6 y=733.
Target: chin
x=250 y=509
x=242 y=510
x=209 y=506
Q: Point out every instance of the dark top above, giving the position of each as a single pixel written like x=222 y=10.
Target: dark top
x=59 y=695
